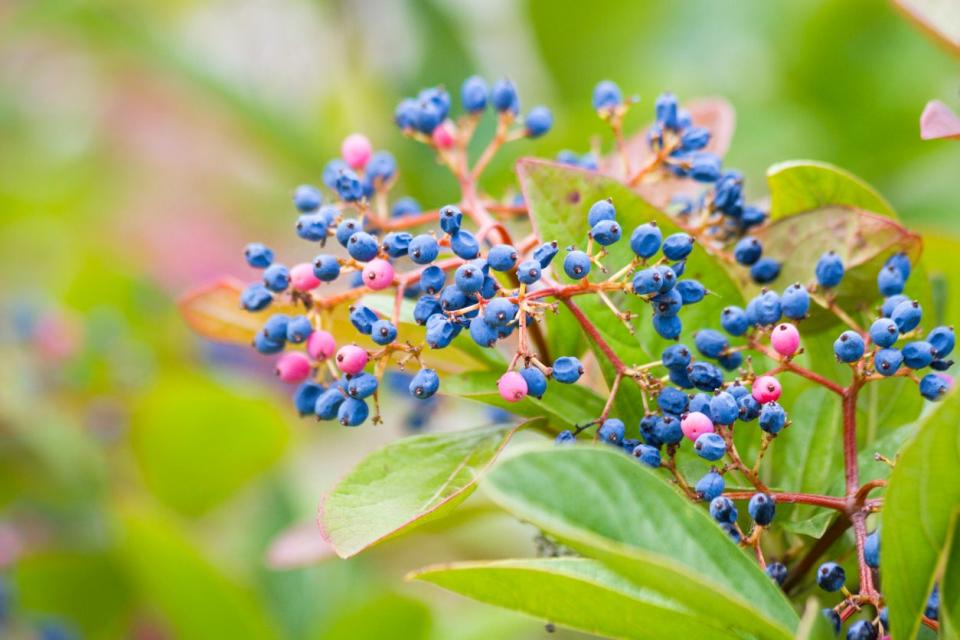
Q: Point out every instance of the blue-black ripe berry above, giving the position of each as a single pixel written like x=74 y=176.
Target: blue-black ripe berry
x=831 y=576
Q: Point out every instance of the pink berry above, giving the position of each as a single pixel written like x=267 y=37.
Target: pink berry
x=302 y=278
x=766 y=389
x=352 y=359
x=443 y=136
x=512 y=386
x=321 y=345
x=785 y=339
x=356 y=150
x=378 y=274
x=695 y=424
x=293 y=366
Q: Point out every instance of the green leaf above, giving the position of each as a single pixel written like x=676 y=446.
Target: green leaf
x=804 y=185
x=214 y=312
x=950 y=585
x=559 y=197
x=922 y=496
x=197 y=442
x=813 y=624
x=407 y=483
x=604 y=504
x=562 y=404
x=190 y=595
x=939 y=19
x=385 y=615
x=577 y=593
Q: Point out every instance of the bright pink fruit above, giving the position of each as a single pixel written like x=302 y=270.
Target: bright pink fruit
x=302 y=278
x=695 y=424
x=321 y=345
x=293 y=366
x=443 y=136
x=352 y=359
x=356 y=150
x=766 y=389
x=785 y=339
x=378 y=274
x=512 y=386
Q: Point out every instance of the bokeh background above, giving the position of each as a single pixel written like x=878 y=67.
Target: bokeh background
x=145 y=474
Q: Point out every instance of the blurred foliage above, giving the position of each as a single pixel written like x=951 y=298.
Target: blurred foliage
x=143 y=473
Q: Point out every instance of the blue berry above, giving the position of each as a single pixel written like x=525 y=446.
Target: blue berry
x=890 y=281
x=504 y=97
x=383 y=332
x=396 y=243
x=629 y=444
x=606 y=95
x=765 y=309
x=404 y=207
x=332 y=171
x=265 y=345
x=536 y=381
x=482 y=333
x=499 y=312
x=933 y=387
x=668 y=327
x=849 y=347
x=489 y=288
x=352 y=412
x=255 y=297
x=453 y=298
x=423 y=249
x=328 y=403
x=833 y=618
x=312 y=227
x=606 y=232
x=257 y=255
x=424 y=384
x=695 y=139
x=831 y=576
x=668 y=430
x=731 y=361
x=884 y=332
x=349 y=186
x=362 y=318
x=710 y=486
x=432 y=279
x=362 y=385
x=772 y=417
x=862 y=630
x=887 y=362
x=918 y=354
x=326 y=267
x=405 y=115
x=275 y=328
x=647 y=455
x=777 y=571
x=276 y=277
x=871 y=549
x=710 y=343
x=724 y=408
x=672 y=400
x=889 y=304
x=612 y=431
x=885 y=618
x=345 y=229
x=473 y=94
x=829 y=269
x=567 y=369
x=528 y=272
x=666 y=108
x=646 y=239
x=731 y=531
x=723 y=510
x=576 y=265
x=566 y=437
x=747 y=251
x=647 y=281
x=727 y=193
x=465 y=245
x=298 y=329
x=761 y=508
x=539 y=120
x=734 y=321
x=701 y=402
x=362 y=246
x=305 y=397
x=676 y=356
x=601 y=210
x=795 y=301
x=545 y=253
x=907 y=315
x=901 y=262
x=679 y=267
x=705 y=376
x=468 y=277
x=450 y=219
x=648 y=430
x=705 y=167
x=932 y=610
x=943 y=340
x=667 y=304
x=680 y=378
x=691 y=291
x=307 y=198
x=678 y=246
x=765 y=270
x=441 y=331
x=710 y=446
x=502 y=257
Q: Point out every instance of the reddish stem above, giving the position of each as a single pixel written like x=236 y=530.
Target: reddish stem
x=786 y=365
x=591 y=331
x=829 y=502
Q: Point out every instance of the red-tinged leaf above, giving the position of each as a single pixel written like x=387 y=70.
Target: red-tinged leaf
x=299 y=546
x=939 y=18
x=938 y=122
x=214 y=312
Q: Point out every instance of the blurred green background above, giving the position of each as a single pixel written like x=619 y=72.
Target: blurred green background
x=145 y=474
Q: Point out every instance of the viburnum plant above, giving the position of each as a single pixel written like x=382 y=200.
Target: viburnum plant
x=692 y=356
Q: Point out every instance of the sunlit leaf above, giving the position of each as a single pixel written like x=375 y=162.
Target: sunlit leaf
x=950 y=585
x=804 y=185
x=405 y=484
x=939 y=18
x=604 y=504
x=606 y=604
